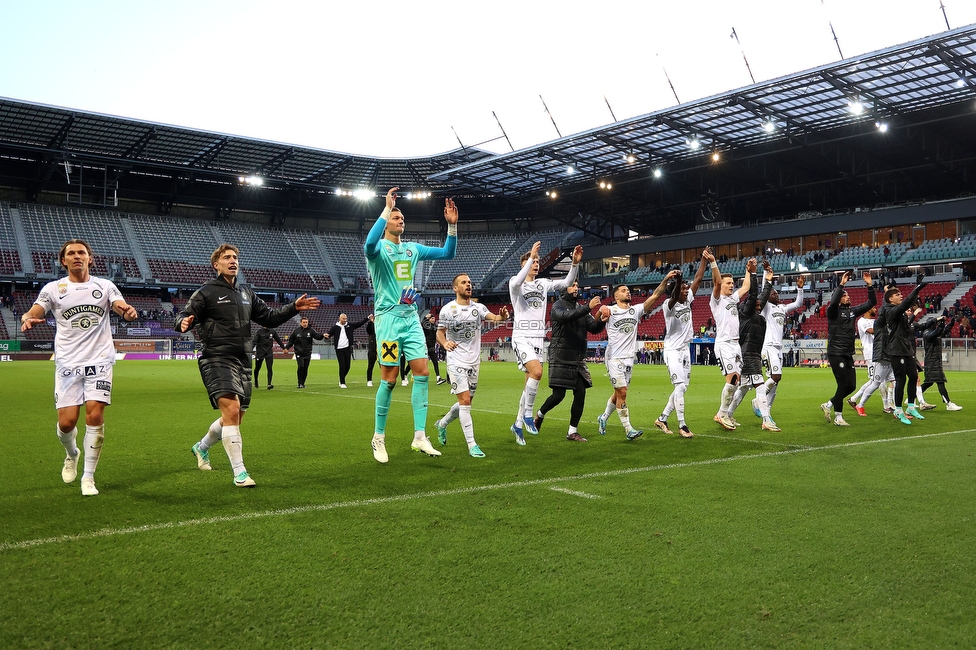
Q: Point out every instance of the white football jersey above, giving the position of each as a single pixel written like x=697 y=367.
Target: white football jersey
x=678 y=330
x=725 y=311
x=775 y=316
x=867 y=338
x=81 y=313
x=622 y=331
x=462 y=324
x=529 y=301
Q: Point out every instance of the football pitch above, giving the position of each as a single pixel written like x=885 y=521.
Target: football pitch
x=818 y=536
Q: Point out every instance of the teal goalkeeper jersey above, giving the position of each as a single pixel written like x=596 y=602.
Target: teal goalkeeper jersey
x=392 y=266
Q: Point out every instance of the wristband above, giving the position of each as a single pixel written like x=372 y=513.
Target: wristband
x=714 y=265
x=452 y=230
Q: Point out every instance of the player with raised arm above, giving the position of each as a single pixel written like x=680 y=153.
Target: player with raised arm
x=900 y=348
x=84 y=354
x=529 y=294
x=678 y=333
x=772 y=350
x=752 y=333
x=724 y=303
x=621 y=348
x=866 y=332
x=840 y=344
x=392 y=264
x=459 y=333
x=223 y=310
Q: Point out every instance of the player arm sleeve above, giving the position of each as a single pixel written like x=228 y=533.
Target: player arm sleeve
x=277 y=338
x=865 y=307
x=193 y=307
x=520 y=277
x=568 y=280
x=593 y=325
x=267 y=317
x=834 y=305
x=372 y=245
x=798 y=302
x=445 y=252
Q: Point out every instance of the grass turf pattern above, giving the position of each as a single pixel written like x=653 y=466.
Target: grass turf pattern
x=818 y=536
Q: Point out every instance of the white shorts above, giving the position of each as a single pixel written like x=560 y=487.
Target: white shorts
x=751 y=380
x=729 y=357
x=526 y=351
x=620 y=371
x=882 y=372
x=463 y=378
x=773 y=360
x=75 y=386
x=679 y=365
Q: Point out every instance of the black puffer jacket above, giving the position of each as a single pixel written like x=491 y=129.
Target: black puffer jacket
x=567 y=349
x=223 y=313
x=264 y=340
x=752 y=326
x=840 y=322
x=302 y=339
x=899 y=338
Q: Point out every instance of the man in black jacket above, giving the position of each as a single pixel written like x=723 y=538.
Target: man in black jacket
x=900 y=348
x=429 y=323
x=370 y=349
x=752 y=333
x=341 y=337
x=264 y=340
x=223 y=310
x=932 y=332
x=567 y=356
x=840 y=344
x=301 y=339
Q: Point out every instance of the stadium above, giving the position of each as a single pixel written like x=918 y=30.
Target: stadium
x=814 y=536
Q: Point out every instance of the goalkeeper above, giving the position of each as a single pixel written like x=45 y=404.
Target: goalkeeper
x=392 y=264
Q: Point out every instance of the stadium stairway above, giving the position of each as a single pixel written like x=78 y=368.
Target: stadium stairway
x=957 y=293
x=10 y=329
x=26 y=261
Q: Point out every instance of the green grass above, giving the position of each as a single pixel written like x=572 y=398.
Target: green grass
x=818 y=536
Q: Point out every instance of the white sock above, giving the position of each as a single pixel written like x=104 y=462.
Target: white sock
x=762 y=402
x=737 y=397
x=572 y=429
x=69 y=441
x=727 y=392
x=212 y=437
x=624 y=415
x=419 y=434
x=233 y=444
x=467 y=425
x=611 y=407
x=678 y=396
x=669 y=407
x=521 y=410
x=450 y=416
x=93 y=449
x=531 y=388
x=771 y=387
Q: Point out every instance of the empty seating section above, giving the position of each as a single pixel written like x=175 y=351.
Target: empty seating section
x=864 y=257
x=303 y=243
x=267 y=258
x=346 y=252
x=48 y=227
x=177 y=250
x=476 y=256
x=941 y=250
x=9 y=256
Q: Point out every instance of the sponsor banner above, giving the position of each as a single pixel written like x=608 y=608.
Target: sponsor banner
x=25 y=356
x=139 y=331
x=37 y=346
x=9 y=346
x=184 y=347
x=651 y=345
x=155 y=356
x=140 y=346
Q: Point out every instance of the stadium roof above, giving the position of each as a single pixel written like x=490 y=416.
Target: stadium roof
x=819 y=154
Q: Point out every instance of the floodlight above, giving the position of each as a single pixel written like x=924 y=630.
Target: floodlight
x=882 y=126
x=630 y=158
x=254 y=180
x=715 y=157
x=569 y=169
x=363 y=194
x=657 y=173
x=856 y=107
x=693 y=143
x=769 y=126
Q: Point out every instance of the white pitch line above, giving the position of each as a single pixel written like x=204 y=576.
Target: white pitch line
x=575 y=493
x=113 y=532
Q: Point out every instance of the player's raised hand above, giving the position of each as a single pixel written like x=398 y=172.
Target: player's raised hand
x=534 y=252
x=707 y=254
x=751 y=265
x=391 y=197
x=595 y=301
x=450 y=211
x=187 y=323
x=844 y=278
x=800 y=281
x=577 y=255
x=868 y=280
x=28 y=323
x=503 y=312
x=304 y=303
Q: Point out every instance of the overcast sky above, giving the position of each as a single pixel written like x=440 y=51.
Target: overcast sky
x=392 y=79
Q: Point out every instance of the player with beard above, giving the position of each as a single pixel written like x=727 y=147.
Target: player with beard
x=774 y=314
x=621 y=348
x=724 y=305
x=528 y=294
x=459 y=333
x=840 y=344
x=678 y=333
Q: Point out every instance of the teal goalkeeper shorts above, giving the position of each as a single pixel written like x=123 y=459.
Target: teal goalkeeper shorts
x=399 y=331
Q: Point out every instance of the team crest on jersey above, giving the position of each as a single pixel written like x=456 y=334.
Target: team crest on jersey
x=96 y=294
x=389 y=249
x=62 y=288
x=631 y=311
x=409 y=253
